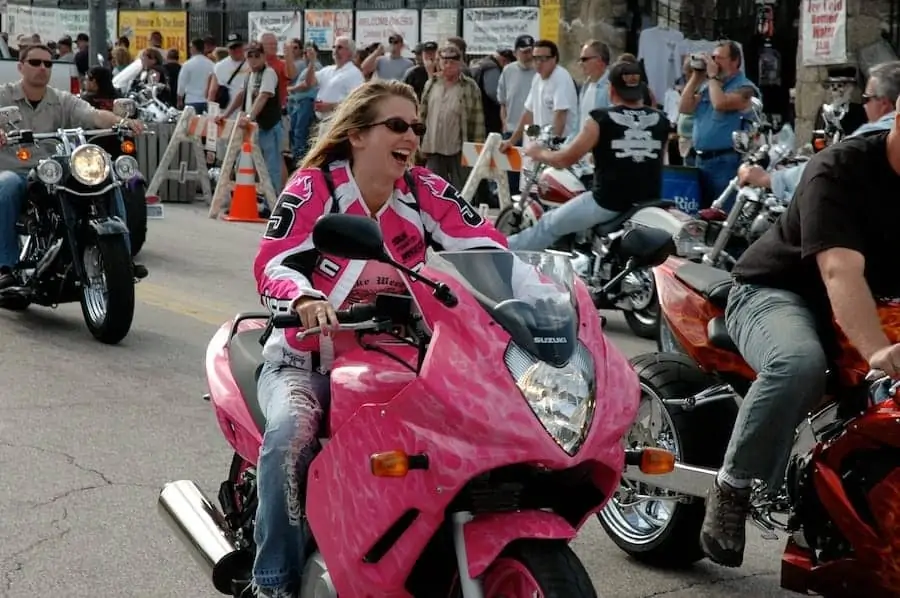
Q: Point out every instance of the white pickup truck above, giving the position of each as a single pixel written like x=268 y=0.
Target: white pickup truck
x=63 y=76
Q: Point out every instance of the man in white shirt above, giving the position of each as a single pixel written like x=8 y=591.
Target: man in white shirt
x=230 y=73
x=193 y=79
x=552 y=100
x=335 y=81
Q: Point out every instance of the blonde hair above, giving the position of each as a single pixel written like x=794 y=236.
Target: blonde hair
x=358 y=111
x=220 y=53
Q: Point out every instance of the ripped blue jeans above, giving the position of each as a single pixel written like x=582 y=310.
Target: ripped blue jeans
x=293 y=401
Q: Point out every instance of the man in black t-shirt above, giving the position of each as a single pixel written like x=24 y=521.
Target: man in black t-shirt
x=825 y=259
x=627 y=143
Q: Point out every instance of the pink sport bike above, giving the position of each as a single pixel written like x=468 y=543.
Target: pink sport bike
x=464 y=447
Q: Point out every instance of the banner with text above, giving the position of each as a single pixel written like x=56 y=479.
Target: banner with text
x=488 y=29
x=137 y=25
x=823 y=25
x=376 y=26
x=285 y=24
x=549 y=20
x=322 y=26
x=438 y=24
x=52 y=23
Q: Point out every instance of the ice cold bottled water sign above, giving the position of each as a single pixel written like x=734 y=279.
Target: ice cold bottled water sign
x=487 y=29
x=824 y=32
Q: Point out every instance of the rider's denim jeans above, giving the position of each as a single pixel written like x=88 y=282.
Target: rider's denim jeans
x=576 y=215
x=777 y=335
x=12 y=194
x=293 y=401
x=270 y=145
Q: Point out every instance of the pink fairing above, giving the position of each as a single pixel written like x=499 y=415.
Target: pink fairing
x=286 y=254
x=487 y=535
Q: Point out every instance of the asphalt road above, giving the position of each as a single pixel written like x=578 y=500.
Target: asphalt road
x=89 y=433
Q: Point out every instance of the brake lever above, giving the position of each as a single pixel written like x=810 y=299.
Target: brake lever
x=353 y=327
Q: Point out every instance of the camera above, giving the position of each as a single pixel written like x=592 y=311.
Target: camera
x=698 y=62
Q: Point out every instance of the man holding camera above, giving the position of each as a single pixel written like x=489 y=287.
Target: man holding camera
x=716 y=94
x=386 y=65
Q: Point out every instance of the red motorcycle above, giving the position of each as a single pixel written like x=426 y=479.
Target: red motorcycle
x=840 y=505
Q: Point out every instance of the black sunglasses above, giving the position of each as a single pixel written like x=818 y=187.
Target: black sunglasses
x=36 y=62
x=254 y=54
x=586 y=58
x=866 y=98
x=400 y=126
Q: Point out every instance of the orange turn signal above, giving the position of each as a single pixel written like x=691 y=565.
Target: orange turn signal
x=128 y=147
x=23 y=154
x=392 y=464
x=657 y=461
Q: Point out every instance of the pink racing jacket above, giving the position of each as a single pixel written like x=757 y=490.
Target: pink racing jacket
x=288 y=266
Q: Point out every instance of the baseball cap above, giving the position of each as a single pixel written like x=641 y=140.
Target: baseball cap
x=234 y=40
x=625 y=77
x=255 y=48
x=425 y=47
x=523 y=42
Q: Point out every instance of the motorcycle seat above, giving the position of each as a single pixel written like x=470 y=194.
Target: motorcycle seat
x=611 y=226
x=245 y=357
x=712 y=283
x=718 y=336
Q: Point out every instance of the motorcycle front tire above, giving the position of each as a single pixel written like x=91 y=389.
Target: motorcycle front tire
x=135 y=198
x=109 y=311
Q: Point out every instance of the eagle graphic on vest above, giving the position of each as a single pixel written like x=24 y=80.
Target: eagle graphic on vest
x=638 y=142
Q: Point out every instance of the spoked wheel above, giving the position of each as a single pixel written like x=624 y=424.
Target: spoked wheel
x=107 y=297
x=652 y=524
x=643 y=318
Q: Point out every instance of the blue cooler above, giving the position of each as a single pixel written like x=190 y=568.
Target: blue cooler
x=681 y=184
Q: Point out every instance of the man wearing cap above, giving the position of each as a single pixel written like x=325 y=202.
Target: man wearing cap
x=388 y=66
x=627 y=142
x=426 y=65
x=82 y=56
x=512 y=89
x=229 y=73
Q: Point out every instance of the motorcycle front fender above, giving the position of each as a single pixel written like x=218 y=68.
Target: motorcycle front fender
x=107 y=226
x=488 y=534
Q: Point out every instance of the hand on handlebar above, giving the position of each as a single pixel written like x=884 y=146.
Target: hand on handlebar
x=887 y=360
x=504 y=146
x=755 y=176
x=533 y=150
x=136 y=126
x=317 y=312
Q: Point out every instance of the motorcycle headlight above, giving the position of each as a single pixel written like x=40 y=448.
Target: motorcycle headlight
x=49 y=172
x=126 y=167
x=690 y=240
x=561 y=398
x=89 y=164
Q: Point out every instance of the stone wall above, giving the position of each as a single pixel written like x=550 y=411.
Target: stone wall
x=866 y=20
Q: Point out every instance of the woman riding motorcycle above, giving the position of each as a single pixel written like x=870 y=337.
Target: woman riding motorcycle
x=360 y=166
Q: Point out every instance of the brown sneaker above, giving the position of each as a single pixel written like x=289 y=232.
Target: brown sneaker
x=723 y=534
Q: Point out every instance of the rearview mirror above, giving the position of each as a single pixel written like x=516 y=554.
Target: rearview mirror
x=350 y=237
x=532 y=130
x=124 y=107
x=647 y=247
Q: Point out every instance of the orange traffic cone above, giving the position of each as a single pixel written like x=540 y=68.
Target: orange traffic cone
x=243 y=198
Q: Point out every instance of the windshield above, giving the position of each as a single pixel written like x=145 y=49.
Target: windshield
x=530 y=294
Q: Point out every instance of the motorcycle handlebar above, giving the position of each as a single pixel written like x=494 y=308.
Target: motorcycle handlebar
x=354 y=314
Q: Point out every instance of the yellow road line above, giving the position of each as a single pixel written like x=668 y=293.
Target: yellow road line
x=203 y=310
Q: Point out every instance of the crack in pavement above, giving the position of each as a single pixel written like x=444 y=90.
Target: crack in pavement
x=15 y=563
x=713 y=582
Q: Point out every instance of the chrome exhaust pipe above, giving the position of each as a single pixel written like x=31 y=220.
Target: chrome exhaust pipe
x=685 y=479
x=203 y=530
